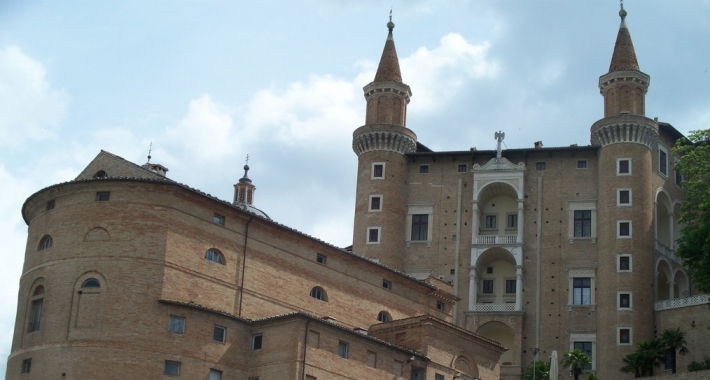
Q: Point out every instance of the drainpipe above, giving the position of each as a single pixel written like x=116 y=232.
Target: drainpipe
x=244 y=262
x=305 y=346
x=537 y=259
x=458 y=251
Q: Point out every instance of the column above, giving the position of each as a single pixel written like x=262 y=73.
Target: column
x=518 y=288
x=671 y=244
x=474 y=222
x=671 y=284
x=472 y=289
x=520 y=222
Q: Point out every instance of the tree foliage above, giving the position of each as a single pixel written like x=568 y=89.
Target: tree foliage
x=576 y=360
x=672 y=341
x=699 y=366
x=652 y=353
x=694 y=243
x=541 y=369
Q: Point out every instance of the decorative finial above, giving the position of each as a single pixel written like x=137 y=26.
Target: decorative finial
x=390 y=24
x=499 y=136
x=246 y=166
x=150 y=149
x=622 y=12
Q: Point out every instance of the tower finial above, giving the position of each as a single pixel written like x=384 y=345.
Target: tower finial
x=622 y=12
x=390 y=24
x=246 y=167
x=150 y=149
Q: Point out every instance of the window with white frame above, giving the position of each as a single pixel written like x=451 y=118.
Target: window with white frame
x=177 y=325
x=582 y=219
x=623 y=229
x=172 y=368
x=676 y=174
x=623 y=197
x=375 y=204
x=420 y=222
x=623 y=336
x=582 y=282
x=586 y=343
x=663 y=160
x=420 y=227
x=623 y=166
x=623 y=263
x=373 y=235
x=378 y=170
x=623 y=301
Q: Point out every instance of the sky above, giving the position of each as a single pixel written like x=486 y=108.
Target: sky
x=209 y=82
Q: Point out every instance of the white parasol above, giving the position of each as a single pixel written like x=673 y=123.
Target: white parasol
x=554 y=369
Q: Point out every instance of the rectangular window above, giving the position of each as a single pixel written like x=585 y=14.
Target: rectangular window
x=624 y=336
x=177 y=325
x=510 y=286
x=50 y=205
x=582 y=223
x=215 y=375
x=512 y=221
x=438 y=376
x=378 y=170
x=623 y=166
x=375 y=203
x=256 y=341
x=439 y=305
x=487 y=287
x=420 y=227
x=663 y=160
x=36 y=315
x=668 y=359
x=623 y=197
x=423 y=169
x=417 y=374
x=373 y=235
x=453 y=271
x=320 y=259
x=219 y=334
x=26 y=365
x=371 y=359
x=343 y=350
x=103 y=196
x=398 y=368
x=218 y=219
x=462 y=168
x=172 y=368
x=587 y=348
x=540 y=166
x=453 y=237
x=624 y=229
x=624 y=301
x=624 y=263
x=386 y=284
x=489 y=270
x=490 y=221
x=581 y=164
x=582 y=291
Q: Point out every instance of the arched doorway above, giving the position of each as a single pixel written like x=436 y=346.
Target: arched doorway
x=501 y=333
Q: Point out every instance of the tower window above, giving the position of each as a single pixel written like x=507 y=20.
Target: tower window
x=623 y=166
x=375 y=203
x=36 y=315
x=91 y=283
x=343 y=350
x=624 y=229
x=420 y=227
x=582 y=223
x=423 y=169
x=177 y=325
x=540 y=166
x=45 y=243
x=378 y=170
x=581 y=164
x=663 y=161
x=50 y=205
x=26 y=365
x=319 y=294
x=249 y=196
x=256 y=341
x=373 y=235
x=624 y=263
x=582 y=291
x=623 y=197
x=624 y=301
x=103 y=196
x=487 y=287
x=462 y=168
x=624 y=335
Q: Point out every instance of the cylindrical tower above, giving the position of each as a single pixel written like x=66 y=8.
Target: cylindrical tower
x=381 y=145
x=624 y=295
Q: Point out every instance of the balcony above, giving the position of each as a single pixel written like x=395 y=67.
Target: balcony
x=667 y=252
x=675 y=303
x=494 y=307
x=496 y=239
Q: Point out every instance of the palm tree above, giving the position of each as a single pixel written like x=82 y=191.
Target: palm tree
x=633 y=364
x=576 y=360
x=541 y=369
x=651 y=354
x=673 y=340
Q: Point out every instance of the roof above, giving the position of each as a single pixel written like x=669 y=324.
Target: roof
x=472 y=152
x=388 y=70
x=624 y=57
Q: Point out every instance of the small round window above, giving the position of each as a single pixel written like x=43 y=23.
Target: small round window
x=214 y=255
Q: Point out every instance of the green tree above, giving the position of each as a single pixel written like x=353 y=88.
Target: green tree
x=694 y=243
x=592 y=376
x=541 y=369
x=632 y=364
x=576 y=360
x=674 y=340
x=651 y=354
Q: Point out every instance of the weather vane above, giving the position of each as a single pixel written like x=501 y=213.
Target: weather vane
x=247 y=162
x=391 y=13
x=150 y=149
x=622 y=3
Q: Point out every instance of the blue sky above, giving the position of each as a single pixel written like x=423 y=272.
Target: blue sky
x=209 y=82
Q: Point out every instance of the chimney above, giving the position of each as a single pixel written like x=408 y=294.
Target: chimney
x=157 y=169
x=538 y=144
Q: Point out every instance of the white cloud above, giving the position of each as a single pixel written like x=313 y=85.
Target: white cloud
x=30 y=108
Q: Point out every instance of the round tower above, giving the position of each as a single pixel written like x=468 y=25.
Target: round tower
x=381 y=145
x=624 y=274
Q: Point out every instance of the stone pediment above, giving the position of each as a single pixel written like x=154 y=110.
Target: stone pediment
x=499 y=164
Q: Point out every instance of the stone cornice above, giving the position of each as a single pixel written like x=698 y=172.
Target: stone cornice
x=395 y=88
x=625 y=129
x=383 y=140
x=629 y=76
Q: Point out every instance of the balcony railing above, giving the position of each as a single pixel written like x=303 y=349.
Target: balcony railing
x=675 y=303
x=494 y=307
x=496 y=239
x=665 y=251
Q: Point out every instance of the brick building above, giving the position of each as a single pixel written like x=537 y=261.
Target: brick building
x=462 y=261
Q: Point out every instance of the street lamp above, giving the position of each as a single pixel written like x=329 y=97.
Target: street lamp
x=534 y=350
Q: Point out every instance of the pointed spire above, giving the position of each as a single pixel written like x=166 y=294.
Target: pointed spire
x=245 y=179
x=388 y=70
x=624 y=57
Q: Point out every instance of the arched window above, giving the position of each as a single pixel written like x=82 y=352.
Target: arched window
x=214 y=255
x=36 y=302
x=38 y=291
x=319 y=294
x=91 y=283
x=384 y=316
x=100 y=174
x=45 y=243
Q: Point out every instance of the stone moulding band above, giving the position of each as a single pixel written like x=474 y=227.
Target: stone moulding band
x=625 y=133
x=389 y=141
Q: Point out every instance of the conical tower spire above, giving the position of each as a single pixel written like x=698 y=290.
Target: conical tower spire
x=388 y=70
x=624 y=57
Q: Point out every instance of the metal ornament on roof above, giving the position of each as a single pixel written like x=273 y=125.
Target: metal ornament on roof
x=499 y=136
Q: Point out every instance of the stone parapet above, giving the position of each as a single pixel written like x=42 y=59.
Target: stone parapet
x=391 y=138
x=625 y=129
